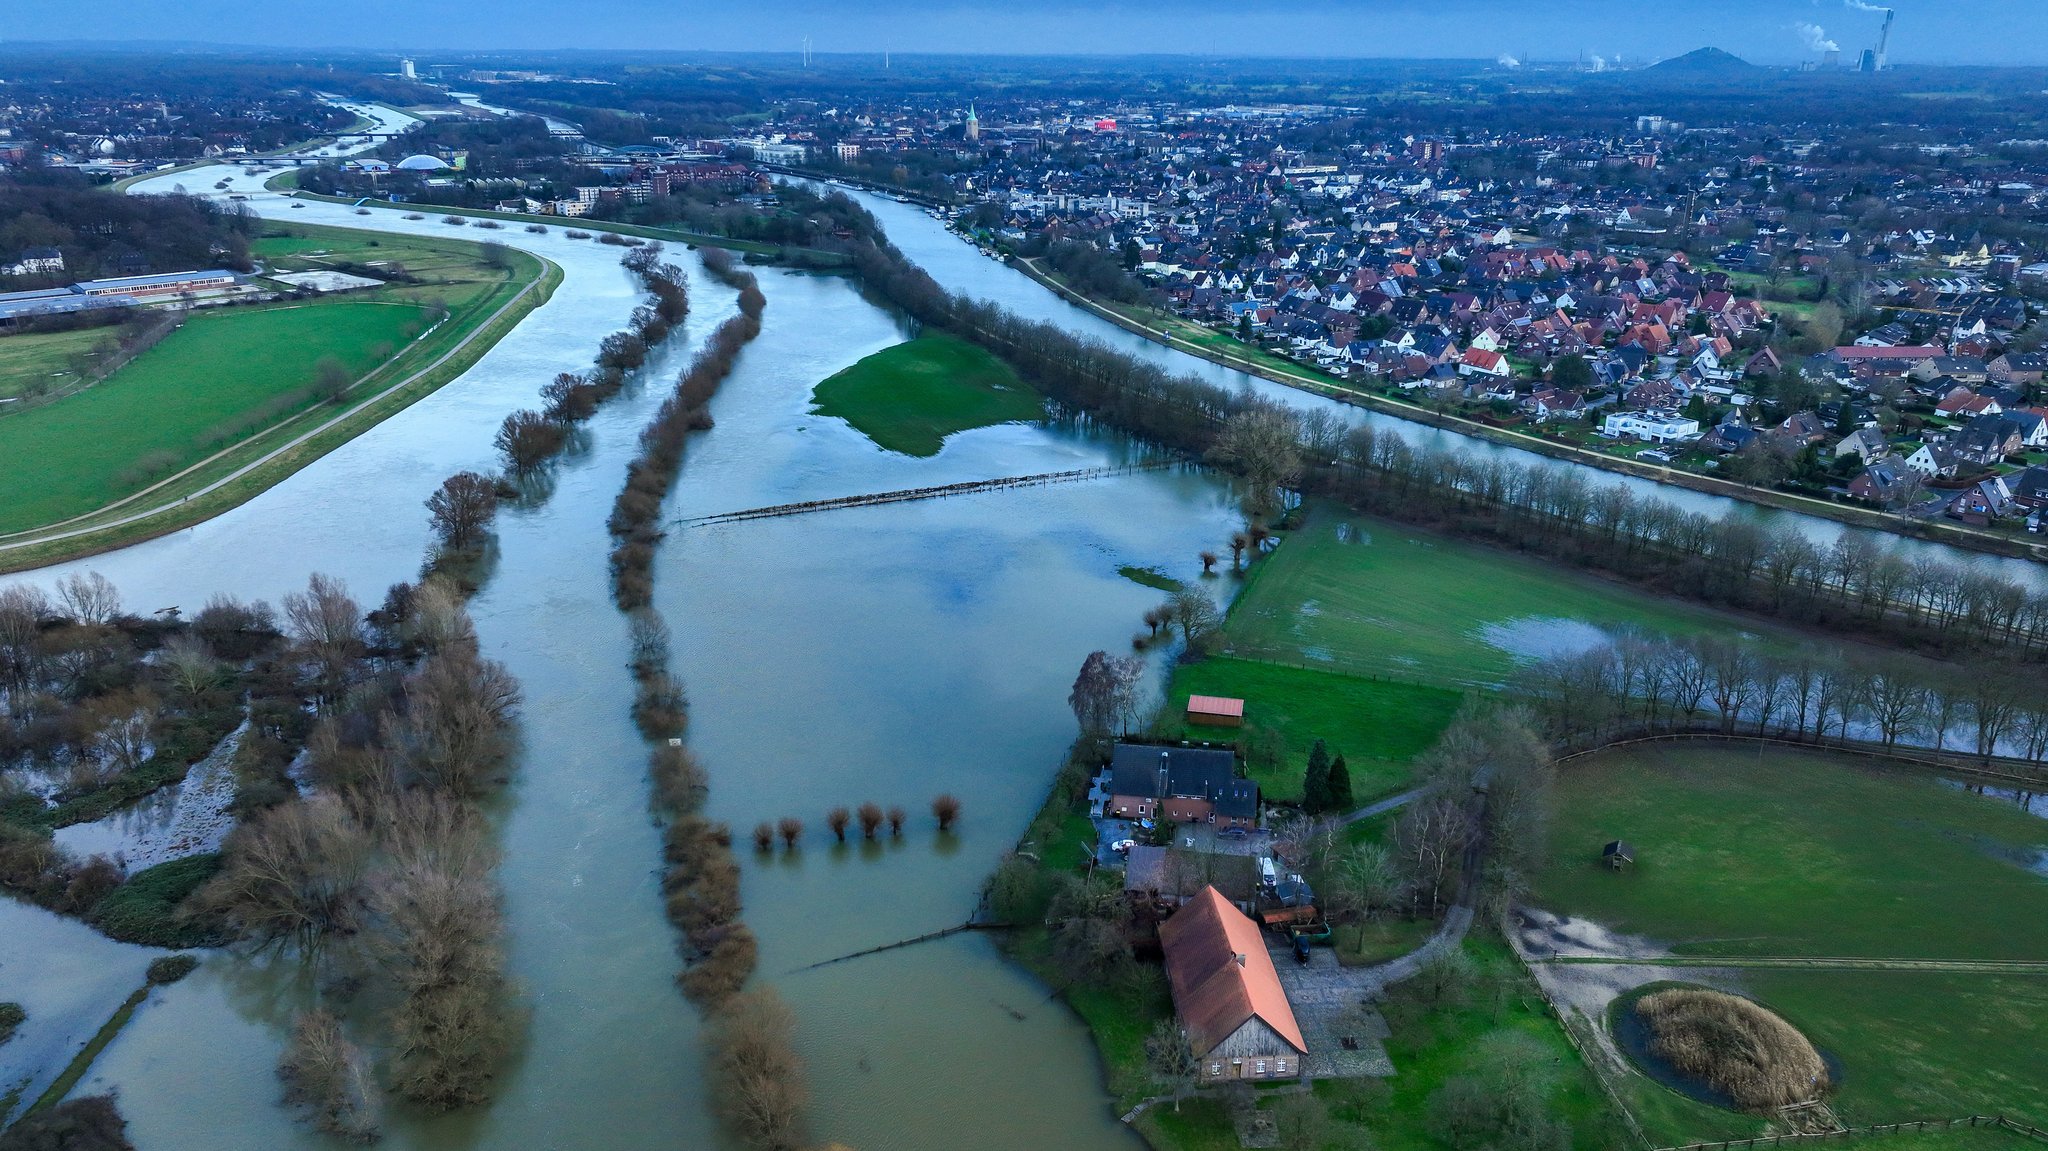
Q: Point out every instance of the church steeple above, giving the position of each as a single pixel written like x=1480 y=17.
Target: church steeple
x=973 y=124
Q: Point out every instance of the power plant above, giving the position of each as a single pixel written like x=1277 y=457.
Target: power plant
x=1873 y=59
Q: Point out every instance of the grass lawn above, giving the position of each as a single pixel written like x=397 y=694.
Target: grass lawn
x=1796 y=854
x=45 y=358
x=1376 y=725
x=182 y=400
x=910 y=397
x=1503 y=1018
x=1923 y=1045
x=1424 y=607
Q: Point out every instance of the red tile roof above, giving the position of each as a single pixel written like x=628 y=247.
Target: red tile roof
x=1222 y=975
x=1215 y=705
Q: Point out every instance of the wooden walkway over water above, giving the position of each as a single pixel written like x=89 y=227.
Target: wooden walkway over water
x=907 y=495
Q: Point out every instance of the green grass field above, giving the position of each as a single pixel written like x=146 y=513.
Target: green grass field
x=229 y=373
x=1799 y=854
x=1377 y=725
x=1796 y=854
x=910 y=397
x=45 y=358
x=182 y=400
x=1429 y=608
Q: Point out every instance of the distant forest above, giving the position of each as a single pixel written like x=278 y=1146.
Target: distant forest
x=106 y=235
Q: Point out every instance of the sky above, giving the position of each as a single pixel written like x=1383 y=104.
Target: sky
x=1765 y=31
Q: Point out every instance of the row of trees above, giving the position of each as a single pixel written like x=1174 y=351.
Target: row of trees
x=758 y=1076
x=789 y=829
x=1642 y=684
x=1853 y=584
x=462 y=509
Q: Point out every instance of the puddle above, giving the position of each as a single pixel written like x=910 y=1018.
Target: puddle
x=189 y=819
x=1319 y=654
x=1534 y=638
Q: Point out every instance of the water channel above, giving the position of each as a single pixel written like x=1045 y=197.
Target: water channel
x=885 y=654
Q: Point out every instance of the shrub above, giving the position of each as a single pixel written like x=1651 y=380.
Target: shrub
x=722 y=970
x=150 y=908
x=946 y=809
x=1736 y=1046
x=760 y=1078
x=679 y=780
x=11 y=1017
x=168 y=969
x=91 y=1123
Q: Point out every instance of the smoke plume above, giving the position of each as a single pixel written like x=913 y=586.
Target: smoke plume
x=1816 y=38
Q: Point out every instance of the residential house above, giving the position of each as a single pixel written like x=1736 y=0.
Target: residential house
x=1661 y=427
x=1227 y=993
x=1885 y=484
x=1868 y=443
x=1982 y=502
x=1181 y=784
x=1932 y=459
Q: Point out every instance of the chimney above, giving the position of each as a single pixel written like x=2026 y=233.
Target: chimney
x=1237 y=958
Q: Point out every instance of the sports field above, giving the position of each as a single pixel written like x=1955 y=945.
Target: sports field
x=194 y=393
x=910 y=397
x=1367 y=596
x=1377 y=726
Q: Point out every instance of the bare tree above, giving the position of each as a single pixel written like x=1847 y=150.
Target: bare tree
x=439 y=925
x=461 y=508
x=946 y=810
x=1428 y=838
x=1171 y=1059
x=837 y=819
x=458 y=724
x=327 y=627
x=1262 y=444
x=790 y=829
x=761 y=1087
x=1196 y=613
x=896 y=818
x=870 y=819
x=293 y=874
x=189 y=668
x=328 y=1079
x=89 y=598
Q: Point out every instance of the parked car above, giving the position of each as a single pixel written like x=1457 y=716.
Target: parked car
x=1123 y=846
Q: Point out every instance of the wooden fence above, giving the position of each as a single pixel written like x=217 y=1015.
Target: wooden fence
x=2023 y=1130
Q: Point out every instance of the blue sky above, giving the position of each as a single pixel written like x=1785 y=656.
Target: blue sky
x=1928 y=31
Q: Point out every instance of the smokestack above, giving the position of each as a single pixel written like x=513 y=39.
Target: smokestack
x=1884 y=37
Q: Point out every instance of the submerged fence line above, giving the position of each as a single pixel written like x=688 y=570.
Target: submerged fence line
x=907 y=495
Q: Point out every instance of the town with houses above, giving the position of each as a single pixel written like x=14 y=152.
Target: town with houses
x=1737 y=303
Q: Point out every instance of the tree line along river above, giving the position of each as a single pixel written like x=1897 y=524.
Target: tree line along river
x=885 y=654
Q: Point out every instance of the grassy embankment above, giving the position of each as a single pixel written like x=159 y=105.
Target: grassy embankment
x=1810 y=855
x=230 y=388
x=908 y=398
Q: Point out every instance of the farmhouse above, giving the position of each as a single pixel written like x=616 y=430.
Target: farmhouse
x=1182 y=784
x=1227 y=993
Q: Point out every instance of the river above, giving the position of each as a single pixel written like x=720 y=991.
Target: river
x=885 y=653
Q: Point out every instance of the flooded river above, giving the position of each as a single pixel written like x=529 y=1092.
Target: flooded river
x=886 y=653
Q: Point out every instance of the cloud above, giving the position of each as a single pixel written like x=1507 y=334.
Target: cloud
x=1816 y=38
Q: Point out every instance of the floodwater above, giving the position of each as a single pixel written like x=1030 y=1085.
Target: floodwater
x=961 y=268
x=887 y=653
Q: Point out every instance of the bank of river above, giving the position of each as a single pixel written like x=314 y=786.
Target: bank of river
x=884 y=653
